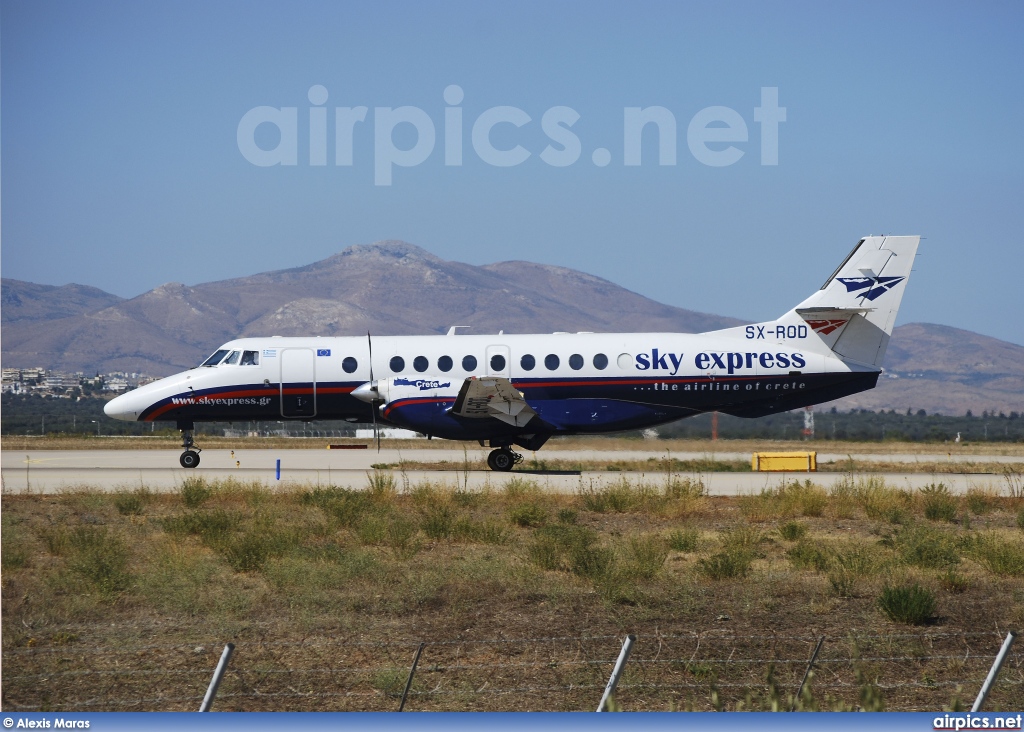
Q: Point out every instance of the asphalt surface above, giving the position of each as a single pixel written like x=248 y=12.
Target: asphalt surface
x=55 y=471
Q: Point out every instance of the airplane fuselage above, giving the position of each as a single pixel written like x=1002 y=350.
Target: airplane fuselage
x=576 y=383
x=523 y=389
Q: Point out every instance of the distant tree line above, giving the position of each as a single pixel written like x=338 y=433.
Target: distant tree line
x=32 y=414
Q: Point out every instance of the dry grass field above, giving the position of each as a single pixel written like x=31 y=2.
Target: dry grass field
x=124 y=601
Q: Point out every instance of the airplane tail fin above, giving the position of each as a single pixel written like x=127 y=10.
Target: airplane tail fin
x=853 y=313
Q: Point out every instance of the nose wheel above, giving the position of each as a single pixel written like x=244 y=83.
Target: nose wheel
x=503 y=459
x=189 y=458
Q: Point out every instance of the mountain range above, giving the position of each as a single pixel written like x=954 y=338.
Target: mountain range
x=396 y=288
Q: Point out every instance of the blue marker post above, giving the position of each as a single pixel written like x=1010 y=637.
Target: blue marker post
x=279 y=469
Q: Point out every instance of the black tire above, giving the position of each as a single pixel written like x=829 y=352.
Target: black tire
x=189 y=459
x=501 y=461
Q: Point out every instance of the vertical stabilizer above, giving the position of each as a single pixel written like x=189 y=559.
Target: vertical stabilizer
x=854 y=311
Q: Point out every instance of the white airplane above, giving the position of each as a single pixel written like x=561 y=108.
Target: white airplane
x=507 y=390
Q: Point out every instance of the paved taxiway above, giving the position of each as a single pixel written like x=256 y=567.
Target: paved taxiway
x=46 y=471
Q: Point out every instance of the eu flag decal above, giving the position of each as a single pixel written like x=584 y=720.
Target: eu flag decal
x=323 y=352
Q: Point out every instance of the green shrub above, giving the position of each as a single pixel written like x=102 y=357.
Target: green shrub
x=924 y=546
x=528 y=515
x=99 y=557
x=195 y=491
x=793 y=531
x=562 y=547
x=212 y=526
x=567 y=516
x=912 y=605
x=381 y=486
x=997 y=554
x=939 y=504
x=727 y=564
x=683 y=540
x=401 y=537
x=593 y=562
x=487 y=531
x=545 y=552
x=981 y=501
x=954 y=582
x=621 y=497
x=806 y=555
x=246 y=553
x=131 y=503
x=883 y=502
x=13 y=552
x=684 y=488
x=438 y=522
x=647 y=555
x=1020 y=519
x=518 y=489
x=792 y=499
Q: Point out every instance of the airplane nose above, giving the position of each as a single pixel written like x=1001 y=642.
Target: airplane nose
x=367 y=392
x=121 y=407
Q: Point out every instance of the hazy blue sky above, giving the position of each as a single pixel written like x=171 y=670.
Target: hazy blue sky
x=121 y=164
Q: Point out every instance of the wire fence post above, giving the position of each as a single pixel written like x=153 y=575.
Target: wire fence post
x=993 y=672
x=807 y=674
x=218 y=674
x=627 y=646
x=412 y=672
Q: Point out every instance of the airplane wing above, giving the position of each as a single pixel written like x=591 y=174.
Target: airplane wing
x=492 y=396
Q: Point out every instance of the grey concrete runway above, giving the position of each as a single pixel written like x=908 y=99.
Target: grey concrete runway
x=158 y=470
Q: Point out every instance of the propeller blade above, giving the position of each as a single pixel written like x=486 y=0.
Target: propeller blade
x=373 y=386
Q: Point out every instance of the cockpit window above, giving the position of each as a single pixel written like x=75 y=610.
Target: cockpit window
x=250 y=358
x=215 y=358
x=233 y=358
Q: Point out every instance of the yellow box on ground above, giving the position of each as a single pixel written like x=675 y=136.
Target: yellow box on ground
x=792 y=462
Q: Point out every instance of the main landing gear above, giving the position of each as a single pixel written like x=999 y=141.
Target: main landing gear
x=503 y=459
x=189 y=458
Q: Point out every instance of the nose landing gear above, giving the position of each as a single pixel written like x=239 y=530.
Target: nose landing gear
x=189 y=458
x=503 y=459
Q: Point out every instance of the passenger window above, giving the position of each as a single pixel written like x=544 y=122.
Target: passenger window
x=600 y=362
x=250 y=358
x=233 y=358
x=215 y=358
x=469 y=363
x=349 y=364
x=497 y=362
x=420 y=363
x=551 y=361
x=528 y=362
x=397 y=364
x=445 y=363
x=575 y=362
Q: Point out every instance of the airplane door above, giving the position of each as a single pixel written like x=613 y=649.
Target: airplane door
x=298 y=382
x=498 y=361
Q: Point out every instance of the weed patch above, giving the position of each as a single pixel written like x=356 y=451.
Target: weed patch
x=911 y=604
x=997 y=554
x=528 y=515
x=683 y=540
x=132 y=503
x=938 y=503
x=924 y=546
x=793 y=531
x=647 y=555
x=195 y=491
